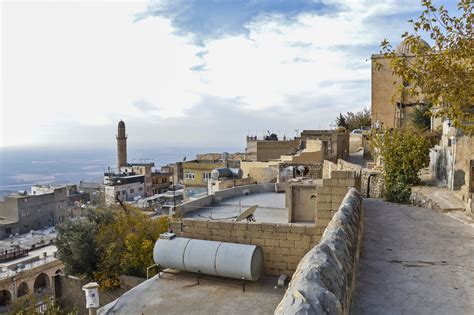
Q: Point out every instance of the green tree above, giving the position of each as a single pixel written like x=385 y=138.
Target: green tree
x=341 y=121
x=125 y=246
x=442 y=75
x=403 y=153
x=76 y=242
x=352 y=121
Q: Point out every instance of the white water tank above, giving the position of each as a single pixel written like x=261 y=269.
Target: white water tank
x=239 y=261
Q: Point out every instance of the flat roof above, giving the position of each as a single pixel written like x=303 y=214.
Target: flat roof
x=271 y=208
x=180 y=294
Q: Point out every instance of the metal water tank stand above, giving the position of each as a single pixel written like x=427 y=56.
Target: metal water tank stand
x=200 y=276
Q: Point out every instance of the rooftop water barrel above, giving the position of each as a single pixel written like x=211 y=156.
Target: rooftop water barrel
x=226 y=172
x=238 y=261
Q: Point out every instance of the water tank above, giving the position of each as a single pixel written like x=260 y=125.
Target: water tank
x=226 y=172
x=239 y=261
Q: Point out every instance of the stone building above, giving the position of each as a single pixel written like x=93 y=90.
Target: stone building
x=23 y=212
x=161 y=181
x=125 y=186
x=333 y=145
x=196 y=175
x=392 y=108
x=452 y=163
x=264 y=150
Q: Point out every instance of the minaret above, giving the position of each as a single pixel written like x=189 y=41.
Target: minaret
x=121 y=145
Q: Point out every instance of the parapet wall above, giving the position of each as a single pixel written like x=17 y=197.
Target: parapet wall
x=283 y=245
x=325 y=278
x=220 y=195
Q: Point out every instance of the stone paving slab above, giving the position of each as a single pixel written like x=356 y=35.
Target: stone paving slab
x=438 y=198
x=414 y=261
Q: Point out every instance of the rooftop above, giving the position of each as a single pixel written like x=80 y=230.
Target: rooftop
x=271 y=208
x=180 y=294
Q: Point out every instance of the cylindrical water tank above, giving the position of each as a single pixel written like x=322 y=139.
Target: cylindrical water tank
x=226 y=172
x=239 y=261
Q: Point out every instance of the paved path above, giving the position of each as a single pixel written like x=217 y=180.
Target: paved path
x=414 y=261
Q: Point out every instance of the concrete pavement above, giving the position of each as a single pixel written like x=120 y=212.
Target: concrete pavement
x=414 y=261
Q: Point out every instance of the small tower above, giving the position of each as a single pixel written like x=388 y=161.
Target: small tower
x=121 y=145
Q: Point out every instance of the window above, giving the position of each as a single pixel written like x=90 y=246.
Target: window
x=206 y=176
x=132 y=190
x=140 y=188
x=190 y=175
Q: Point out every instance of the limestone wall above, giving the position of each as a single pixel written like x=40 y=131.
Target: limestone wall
x=325 y=278
x=72 y=298
x=283 y=245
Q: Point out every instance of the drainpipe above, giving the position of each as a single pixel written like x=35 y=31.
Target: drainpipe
x=368 y=184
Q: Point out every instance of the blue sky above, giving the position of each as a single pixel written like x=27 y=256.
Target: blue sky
x=187 y=73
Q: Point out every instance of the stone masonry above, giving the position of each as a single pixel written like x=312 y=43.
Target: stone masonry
x=283 y=245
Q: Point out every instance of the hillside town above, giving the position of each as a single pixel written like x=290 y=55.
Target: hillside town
x=374 y=215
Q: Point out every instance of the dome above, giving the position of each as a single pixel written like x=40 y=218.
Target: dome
x=121 y=124
x=405 y=46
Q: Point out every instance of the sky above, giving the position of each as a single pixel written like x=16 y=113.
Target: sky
x=196 y=73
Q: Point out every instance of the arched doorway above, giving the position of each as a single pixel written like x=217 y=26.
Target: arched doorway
x=5 y=299
x=42 y=285
x=22 y=289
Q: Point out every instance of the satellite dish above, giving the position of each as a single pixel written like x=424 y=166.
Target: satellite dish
x=247 y=214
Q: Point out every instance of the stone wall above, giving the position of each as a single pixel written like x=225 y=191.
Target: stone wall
x=72 y=298
x=325 y=278
x=372 y=179
x=283 y=245
x=312 y=170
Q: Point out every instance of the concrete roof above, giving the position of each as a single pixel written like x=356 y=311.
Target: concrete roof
x=271 y=208
x=178 y=294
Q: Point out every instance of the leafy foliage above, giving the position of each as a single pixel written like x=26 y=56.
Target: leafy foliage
x=108 y=243
x=352 y=121
x=442 y=75
x=76 y=242
x=125 y=246
x=35 y=305
x=403 y=153
x=421 y=118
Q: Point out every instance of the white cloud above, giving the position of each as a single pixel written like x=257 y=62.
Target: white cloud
x=71 y=66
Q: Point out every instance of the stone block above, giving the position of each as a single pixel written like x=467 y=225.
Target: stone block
x=286 y=243
x=297 y=228
x=189 y=222
x=339 y=174
x=269 y=250
x=239 y=233
x=310 y=230
x=323 y=190
x=298 y=251
x=240 y=226
x=280 y=265
x=323 y=214
x=291 y=259
x=276 y=257
x=254 y=226
x=323 y=198
x=293 y=237
x=258 y=241
x=222 y=232
x=226 y=225
x=346 y=182
x=201 y=223
x=282 y=250
x=279 y=236
x=270 y=242
x=302 y=244
x=323 y=205
x=322 y=222
x=330 y=182
x=283 y=228
x=306 y=238
x=213 y=224
x=339 y=190
x=268 y=227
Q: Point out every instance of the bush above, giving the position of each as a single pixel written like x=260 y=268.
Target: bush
x=403 y=153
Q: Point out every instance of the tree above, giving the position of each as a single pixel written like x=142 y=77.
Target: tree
x=442 y=75
x=403 y=153
x=421 y=118
x=125 y=246
x=341 y=121
x=76 y=242
x=352 y=121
